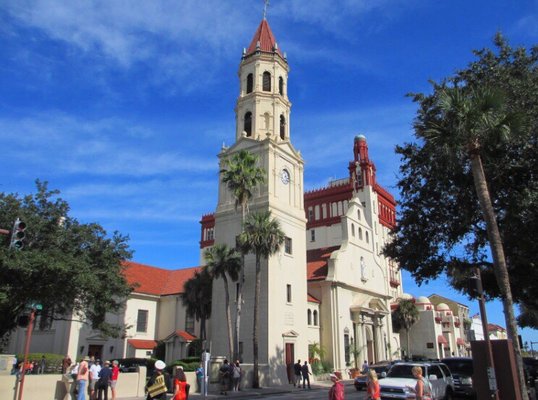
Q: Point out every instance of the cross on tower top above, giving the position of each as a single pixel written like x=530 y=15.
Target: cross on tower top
x=265 y=8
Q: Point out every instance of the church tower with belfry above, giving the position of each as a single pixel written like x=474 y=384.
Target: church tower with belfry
x=262 y=114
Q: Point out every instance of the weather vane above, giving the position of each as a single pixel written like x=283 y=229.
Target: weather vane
x=265 y=8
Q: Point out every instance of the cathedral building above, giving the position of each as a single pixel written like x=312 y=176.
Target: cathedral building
x=329 y=287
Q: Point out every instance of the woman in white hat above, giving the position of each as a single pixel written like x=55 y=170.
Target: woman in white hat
x=159 y=383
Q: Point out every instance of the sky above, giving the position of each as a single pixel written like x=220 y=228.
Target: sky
x=124 y=105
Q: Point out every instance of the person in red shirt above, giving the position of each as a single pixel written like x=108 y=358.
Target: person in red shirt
x=114 y=378
x=336 y=392
x=373 y=389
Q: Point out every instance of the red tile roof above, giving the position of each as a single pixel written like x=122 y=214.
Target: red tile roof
x=157 y=281
x=142 y=344
x=317 y=263
x=312 y=299
x=441 y=339
x=265 y=37
x=185 y=335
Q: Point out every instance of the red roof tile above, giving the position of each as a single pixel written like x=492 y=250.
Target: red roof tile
x=312 y=299
x=265 y=37
x=157 y=281
x=142 y=344
x=185 y=335
x=317 y=265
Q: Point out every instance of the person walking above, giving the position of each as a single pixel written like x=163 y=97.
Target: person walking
x=305 y=371
x=114 y=378
x=181 y=387
x=158 y=384
x=236 y=376
x=82 y=378
x=336 y=392
x=42 y=365
x=373 y=389
x=422 y=390
x=297 y=371
x=103 y=381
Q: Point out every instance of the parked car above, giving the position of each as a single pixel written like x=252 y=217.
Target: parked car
x=462 y=374
x=381 y=370
x=400 y=380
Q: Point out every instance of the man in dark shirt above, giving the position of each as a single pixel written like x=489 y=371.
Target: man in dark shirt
x=306 y=374
x=297 y=371
x=104 y=379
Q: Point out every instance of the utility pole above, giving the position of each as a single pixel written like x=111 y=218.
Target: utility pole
x=29 y=330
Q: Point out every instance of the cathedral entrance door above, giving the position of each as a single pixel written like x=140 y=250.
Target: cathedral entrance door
x=370 y=349
x=290 y=357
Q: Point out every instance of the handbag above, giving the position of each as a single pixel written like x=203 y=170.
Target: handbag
x=159 y=387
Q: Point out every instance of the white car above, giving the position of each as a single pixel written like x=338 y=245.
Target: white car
x=399 y=383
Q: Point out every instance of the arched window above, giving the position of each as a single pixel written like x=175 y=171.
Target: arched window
x=352 y=229
x=360 y=233
x=266 y=81
x=367 y=240
x=309 y=315
x=248 y=123
x=250 y=83
x=359 y=214
x=315 y=317
x=281 y=86
x=282 y=127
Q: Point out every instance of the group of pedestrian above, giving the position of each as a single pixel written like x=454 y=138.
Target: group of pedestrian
x=302 y=373
x=230 y=377
x=92 y=377
x=159 y=383
x=29 y=367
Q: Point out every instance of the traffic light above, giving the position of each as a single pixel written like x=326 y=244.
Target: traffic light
x=17 y=235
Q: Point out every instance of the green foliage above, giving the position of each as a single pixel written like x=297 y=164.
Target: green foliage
x=189 y=364
x=405 y=316
x=74 y=270
x=241 y=175
x=441 y=229
x=197 y=296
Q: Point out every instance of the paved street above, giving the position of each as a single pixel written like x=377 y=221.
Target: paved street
x=318 y=391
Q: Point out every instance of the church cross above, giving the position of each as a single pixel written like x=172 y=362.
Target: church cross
x=265 y=8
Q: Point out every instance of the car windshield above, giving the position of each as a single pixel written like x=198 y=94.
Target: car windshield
x=401 y=371
x=461 y=367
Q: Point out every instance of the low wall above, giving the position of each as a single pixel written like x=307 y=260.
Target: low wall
x=57 y=387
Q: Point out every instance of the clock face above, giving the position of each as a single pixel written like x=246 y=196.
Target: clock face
x=285 y=176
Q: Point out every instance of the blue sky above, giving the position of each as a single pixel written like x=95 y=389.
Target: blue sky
x=124 y=105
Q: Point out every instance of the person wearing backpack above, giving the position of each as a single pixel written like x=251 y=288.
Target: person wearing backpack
x=236 y=376
x=224 y=375
x=104 y=377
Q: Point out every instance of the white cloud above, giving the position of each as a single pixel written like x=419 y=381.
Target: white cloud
x=101 y=147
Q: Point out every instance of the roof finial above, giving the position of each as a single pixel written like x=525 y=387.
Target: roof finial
x=265 y=8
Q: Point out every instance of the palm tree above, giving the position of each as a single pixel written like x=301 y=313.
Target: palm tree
x=470 y=119
x=404 y=317
x=196 y=298
x=241 y=175
x=223 y=262
x=263 y=237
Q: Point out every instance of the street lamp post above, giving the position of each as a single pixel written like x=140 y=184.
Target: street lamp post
x=494 y=393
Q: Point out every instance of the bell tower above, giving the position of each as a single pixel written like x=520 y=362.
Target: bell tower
x=263 y=108
x=262 y=113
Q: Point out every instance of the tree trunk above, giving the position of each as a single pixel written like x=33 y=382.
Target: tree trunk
x=228 y=315
x=255 y=378
x=499 y=262
x=239 y=304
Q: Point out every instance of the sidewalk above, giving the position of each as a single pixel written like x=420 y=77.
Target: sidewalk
x=248 y=393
